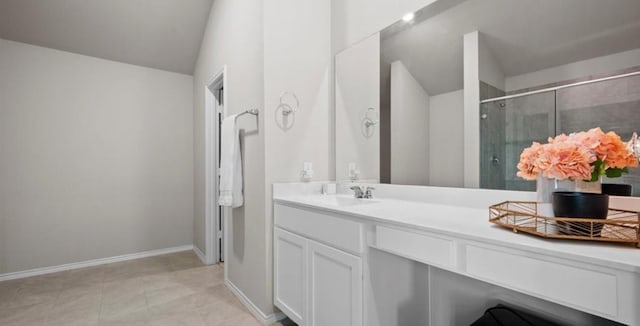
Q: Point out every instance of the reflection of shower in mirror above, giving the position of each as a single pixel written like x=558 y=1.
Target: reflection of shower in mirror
x=424 y=77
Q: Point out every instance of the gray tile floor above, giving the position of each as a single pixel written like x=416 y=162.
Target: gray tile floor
x=174 y=289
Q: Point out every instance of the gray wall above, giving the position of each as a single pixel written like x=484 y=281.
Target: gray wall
x=96 y=158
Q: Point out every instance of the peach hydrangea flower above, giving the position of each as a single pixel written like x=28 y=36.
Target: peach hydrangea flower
x=565 y=161
x=574 y=156
x=614 y=152
x=527 y=168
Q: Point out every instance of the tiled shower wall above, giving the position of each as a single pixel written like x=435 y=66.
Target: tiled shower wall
x=612 y=105
x=529 y=118
x=492 y=135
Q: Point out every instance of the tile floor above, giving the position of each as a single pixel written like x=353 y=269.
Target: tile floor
x=174 y=289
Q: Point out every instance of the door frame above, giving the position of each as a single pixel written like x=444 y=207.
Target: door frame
x=213 y=215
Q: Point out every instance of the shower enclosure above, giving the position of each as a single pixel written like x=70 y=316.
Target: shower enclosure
x=508 y=124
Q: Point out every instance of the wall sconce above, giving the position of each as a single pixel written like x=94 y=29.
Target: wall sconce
x=369 y=120
x=289 y=103
x=285 y=113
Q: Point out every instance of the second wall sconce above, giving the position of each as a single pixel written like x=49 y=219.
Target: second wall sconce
x=369 y=120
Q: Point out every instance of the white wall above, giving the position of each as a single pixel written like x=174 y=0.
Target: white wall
x=268 y=47
x=96 y=158
x=490 y=71
x=446 y=139
x=410 y=128
x=594 y=66
x=297 y=58
x=357 y=87
x=354 y=20
x=234 y=38
x=471 y=116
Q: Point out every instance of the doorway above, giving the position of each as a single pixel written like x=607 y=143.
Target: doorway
x=215 y=111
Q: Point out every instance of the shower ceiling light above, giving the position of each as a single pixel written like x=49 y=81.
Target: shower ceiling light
x=408 y=17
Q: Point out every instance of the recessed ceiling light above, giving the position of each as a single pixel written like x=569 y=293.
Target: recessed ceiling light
x=408 y=17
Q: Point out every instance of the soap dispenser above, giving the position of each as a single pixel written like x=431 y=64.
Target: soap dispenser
x=307 y=171
x=354 y=173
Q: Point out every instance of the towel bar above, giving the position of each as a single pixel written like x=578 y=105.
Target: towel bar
x=250 y=111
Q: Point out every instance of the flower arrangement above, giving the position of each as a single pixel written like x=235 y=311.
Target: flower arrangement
x=585 y=155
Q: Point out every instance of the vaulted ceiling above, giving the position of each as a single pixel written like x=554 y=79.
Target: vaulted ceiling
x=161 y=34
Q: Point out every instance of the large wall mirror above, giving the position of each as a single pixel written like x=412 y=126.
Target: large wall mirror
x=450 y=95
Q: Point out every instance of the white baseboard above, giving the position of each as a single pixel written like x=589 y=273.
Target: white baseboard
x=200 y=255
x=255 y=311
x=93 y=262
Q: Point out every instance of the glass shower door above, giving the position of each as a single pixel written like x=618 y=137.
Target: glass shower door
x=506 y=128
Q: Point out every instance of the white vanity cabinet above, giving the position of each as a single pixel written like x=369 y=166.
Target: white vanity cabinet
x=290 y=274
x=317 y=267
x=339 y=261
x=335 y=287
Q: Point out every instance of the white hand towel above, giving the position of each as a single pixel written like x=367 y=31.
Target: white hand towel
x=230 y=164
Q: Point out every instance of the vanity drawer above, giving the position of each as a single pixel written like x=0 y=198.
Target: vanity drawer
x=335 y=231
x=587 y=290
x=426 y=248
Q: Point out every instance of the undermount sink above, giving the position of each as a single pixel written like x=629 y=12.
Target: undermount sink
x=342 y=201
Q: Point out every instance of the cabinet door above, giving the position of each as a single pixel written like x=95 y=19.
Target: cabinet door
x=290 y=274
x=335 y=287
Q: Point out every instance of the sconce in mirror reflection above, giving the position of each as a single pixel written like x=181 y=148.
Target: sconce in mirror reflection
x=286 y=110
x=369 y=121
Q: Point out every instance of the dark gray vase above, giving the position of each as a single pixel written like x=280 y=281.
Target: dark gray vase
x=616 y=189
x=580 y=205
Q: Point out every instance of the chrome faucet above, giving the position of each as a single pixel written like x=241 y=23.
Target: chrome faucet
x=359 y=193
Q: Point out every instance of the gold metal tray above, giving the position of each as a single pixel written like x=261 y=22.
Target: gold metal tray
x=620 y=226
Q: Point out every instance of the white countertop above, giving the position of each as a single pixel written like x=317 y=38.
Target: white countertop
x=470 y=223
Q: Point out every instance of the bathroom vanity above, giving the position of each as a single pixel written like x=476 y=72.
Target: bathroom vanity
x=429 y=256
x=450 y=97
